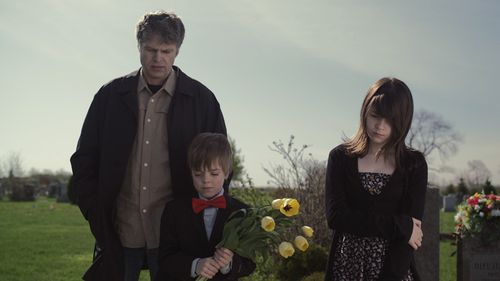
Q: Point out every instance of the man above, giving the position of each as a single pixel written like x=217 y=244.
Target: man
x=131 y=155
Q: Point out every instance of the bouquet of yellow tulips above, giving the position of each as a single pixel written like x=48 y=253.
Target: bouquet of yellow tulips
x=254 y=231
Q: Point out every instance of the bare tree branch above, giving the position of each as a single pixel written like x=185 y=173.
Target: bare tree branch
x=431 y=133
x=13 y=165
x=477 y=173
x=302 y=177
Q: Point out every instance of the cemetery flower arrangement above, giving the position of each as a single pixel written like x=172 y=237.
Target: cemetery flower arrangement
x=479 y=216
x=261 y=231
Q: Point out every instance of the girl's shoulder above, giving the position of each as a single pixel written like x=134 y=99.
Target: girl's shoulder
x=414 y=159
x=414 y=154
x=340 y=152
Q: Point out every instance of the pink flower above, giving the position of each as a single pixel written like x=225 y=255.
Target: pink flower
x=473 y=201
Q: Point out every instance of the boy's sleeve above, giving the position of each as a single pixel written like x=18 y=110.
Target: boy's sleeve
x=193 y=267
x=227 y=268
x=240 y=267
x=173 y=263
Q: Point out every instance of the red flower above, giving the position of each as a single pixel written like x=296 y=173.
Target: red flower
x=473 y=201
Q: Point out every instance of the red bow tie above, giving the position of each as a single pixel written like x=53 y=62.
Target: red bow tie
x=200 y=204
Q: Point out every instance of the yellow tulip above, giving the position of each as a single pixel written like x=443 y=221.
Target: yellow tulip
x=307 y=230
x=301 y=243
x=290 y=207
x=286 y=249
x=277 y=203
x=267 y=223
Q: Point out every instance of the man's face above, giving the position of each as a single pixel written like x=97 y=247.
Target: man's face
x=157 y=59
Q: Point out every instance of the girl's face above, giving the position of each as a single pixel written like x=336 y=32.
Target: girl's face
x=378 y=129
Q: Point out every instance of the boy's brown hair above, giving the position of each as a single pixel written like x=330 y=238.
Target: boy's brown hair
x=206 y=148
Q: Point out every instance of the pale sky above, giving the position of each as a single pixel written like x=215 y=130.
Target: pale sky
x=277 y=68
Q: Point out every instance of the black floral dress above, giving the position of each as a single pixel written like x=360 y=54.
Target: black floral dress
x=362 y=258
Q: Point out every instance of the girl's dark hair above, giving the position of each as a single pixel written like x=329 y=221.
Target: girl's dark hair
x=391 y=99
x=207 y=148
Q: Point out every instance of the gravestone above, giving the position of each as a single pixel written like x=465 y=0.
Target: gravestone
x=450 y=203
x=54 y=190
x=476 y=262
x=62 y=195
x=21 y=191
x=427 y=256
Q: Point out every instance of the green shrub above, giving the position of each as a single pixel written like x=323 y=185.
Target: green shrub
x=251 y=196
x=276 y=268
x=303 y=264
x=265 y=270
x=316 y=276
x=302 y=177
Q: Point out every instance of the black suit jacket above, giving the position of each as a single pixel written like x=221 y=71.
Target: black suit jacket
x=183 y=238
x=350 y=209
x=105 y=143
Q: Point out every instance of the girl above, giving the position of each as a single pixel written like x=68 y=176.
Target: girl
x=375 y=192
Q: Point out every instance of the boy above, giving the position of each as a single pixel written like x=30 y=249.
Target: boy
x=192 y=227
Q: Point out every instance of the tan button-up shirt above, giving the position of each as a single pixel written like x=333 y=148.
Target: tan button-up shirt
x=147 y=185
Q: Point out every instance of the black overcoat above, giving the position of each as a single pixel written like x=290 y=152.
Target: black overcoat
x=100 y=161
x=351 y=209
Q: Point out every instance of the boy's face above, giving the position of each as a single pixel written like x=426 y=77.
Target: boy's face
x=208 y=182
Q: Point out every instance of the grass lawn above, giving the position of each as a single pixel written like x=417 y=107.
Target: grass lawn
x=48 y=241
x=44 y=241
x=448 y=263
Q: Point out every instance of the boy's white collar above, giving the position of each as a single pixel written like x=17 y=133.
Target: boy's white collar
x=216 y=195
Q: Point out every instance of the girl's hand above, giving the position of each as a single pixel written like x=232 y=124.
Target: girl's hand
x=416 y=235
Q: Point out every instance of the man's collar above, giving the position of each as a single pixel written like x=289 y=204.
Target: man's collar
x=168 y=85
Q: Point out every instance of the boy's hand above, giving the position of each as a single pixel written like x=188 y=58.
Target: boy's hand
x=223 y=257
x=207 y=267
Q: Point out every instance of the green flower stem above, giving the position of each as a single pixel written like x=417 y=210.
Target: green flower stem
x=244 y=235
